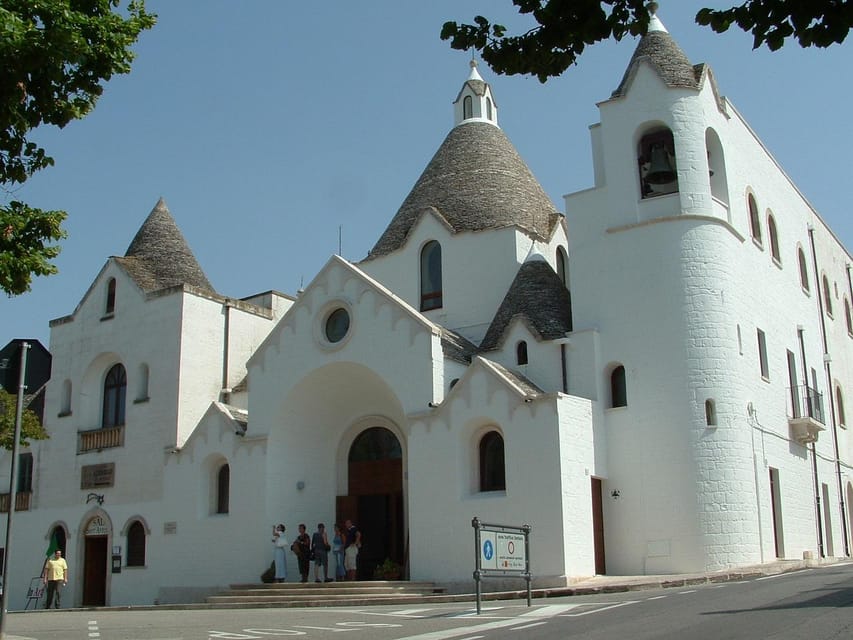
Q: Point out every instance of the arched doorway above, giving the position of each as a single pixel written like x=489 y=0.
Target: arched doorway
x=375 y=499
x=95 y=559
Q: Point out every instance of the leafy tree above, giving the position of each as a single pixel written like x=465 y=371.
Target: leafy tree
x=31 y=428
x=55 y=56
x=566 y=27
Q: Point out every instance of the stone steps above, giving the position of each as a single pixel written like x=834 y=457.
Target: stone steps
x=324 y=594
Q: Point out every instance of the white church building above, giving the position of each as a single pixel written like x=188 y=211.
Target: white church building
x=655 y=381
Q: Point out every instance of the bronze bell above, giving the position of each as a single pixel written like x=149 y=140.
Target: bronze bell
x=660 y=168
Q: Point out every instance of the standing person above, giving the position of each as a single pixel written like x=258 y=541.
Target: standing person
x=353 y=544
x=302 y=548
x=338 y=550
x=55 y=576
x=320 y=550
x=279 y=546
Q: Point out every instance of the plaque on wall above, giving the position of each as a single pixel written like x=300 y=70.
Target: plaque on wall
x=94 y=476
x=170 y=527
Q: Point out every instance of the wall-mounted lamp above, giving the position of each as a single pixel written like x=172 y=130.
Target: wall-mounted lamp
x=615 y=494
x=99 y=498
x=300 y=485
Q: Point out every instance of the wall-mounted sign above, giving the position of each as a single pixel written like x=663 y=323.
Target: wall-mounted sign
x=97 y=526
x=170 y=527
x=94 y=476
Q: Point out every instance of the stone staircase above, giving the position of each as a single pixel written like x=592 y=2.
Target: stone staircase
x=328 y=594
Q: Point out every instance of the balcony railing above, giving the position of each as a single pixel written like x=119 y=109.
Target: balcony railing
x=22 y=501
x=805 y=413
x=97 y=439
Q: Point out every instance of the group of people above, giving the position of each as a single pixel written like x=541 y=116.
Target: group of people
x=344 y=547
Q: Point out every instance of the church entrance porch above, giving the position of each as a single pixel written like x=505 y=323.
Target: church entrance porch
x=375 y=499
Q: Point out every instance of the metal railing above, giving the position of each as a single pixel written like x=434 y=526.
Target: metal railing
x=97 y=439
x=806 y=402
x=22 y=501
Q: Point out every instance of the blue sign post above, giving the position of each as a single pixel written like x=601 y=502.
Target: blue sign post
x=501 y=551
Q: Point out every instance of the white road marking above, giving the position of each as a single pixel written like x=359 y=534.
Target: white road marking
x=657 y=598
x=681 y=593
x=410 y=612
x=586 y=613
x=782 y=575
x=527 y=626
x=549 y=611
x=462 y=631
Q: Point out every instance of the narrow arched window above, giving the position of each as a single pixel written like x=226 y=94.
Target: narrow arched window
x=563 y=266
x=804 y=270
x=839 y=406
x=110 y=306
x=489 y=108
x=521 y=353
x=847 y=316
x=618 y=389
x=754 y=222
x=492 y=471
x=142 y=385
x=710 y=413
x=773 y=236
x=115 y=392
x=136 y=544
x=431 y=292
x=223 y=488
x=827 y=296
x=467 y=108
x=65 y=403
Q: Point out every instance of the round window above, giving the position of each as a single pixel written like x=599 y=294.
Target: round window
x=337 y=325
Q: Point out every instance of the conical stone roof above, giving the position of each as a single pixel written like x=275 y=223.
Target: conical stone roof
x=159 y=257
x=670 y=62
x=476 y=181
x=538 y=296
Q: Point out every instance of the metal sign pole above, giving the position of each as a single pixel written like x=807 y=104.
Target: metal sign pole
x=527 y=576
x=13 y=481
x=477 y=564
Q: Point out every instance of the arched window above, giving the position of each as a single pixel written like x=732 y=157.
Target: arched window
x=563 y=266
x=521 y=352
x=223 y=488
x=839 y=406
x=773 y=236
x=618 y=389
x=804 y=270
x=492 y=472
x=375 y=443
x=431 y=294
x=827 y=296
x=136 y=544
x=65 y=403
x=847 y=316
x=489 y=108
x=710 y=413
x=453 y=383
x=110 y=306
x=115 y=392
x=656 y=159
x=467 y=108
x=58 y=540
x=142 y=386
x=754 y=222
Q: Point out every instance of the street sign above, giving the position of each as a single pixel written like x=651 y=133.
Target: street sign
x=502 y=551
x=38 y=366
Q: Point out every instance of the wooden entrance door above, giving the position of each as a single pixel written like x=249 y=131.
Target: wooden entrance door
x=598 y=527
x=95 y=571
x=375 y=499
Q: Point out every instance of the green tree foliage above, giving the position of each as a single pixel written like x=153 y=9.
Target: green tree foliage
x=31 y=428
x=566 y=27
x=55 y=56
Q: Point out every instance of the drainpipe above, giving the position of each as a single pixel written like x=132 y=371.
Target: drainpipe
x=827 y=360
x=226 y=334
x=813 y=450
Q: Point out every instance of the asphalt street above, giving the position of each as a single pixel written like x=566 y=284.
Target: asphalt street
x=813 y=603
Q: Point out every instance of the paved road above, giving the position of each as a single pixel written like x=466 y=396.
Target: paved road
x=816 y=604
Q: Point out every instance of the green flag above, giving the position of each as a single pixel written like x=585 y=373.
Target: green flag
x=52 y=547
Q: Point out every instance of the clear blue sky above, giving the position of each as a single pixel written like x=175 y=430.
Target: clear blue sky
x=267 y=124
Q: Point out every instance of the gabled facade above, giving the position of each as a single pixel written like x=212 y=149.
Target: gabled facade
x=660 y=390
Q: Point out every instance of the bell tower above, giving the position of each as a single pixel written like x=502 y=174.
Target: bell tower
x=475 y=102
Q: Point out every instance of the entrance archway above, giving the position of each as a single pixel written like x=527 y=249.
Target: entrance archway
x=95 y=560
x=375 y=499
